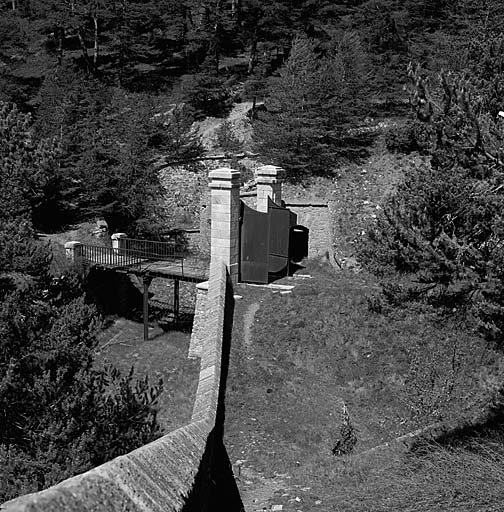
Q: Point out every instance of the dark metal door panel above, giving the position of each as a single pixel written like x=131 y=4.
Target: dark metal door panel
x=279 y=226
x=254 y=245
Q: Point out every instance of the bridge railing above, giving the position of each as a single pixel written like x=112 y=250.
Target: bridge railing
x=108 y=256
x=130 y=252
x=149 y=249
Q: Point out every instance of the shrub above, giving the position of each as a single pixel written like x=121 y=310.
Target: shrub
x=439 y=237
x=60 y=416
x=207 y=95
x=407 y=138
x=227 y=139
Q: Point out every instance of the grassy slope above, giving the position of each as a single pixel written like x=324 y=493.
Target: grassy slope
x=163 y=356
x=305 y=352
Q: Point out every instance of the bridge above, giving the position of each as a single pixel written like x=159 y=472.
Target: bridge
x=145 y=259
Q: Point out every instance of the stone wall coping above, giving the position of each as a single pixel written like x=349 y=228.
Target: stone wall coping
x=307 y=205
x=202 y=286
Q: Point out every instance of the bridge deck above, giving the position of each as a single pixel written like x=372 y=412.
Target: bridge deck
x=160 y=268
x=176 y=267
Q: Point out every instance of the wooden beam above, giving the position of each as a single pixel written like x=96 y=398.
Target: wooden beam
x=176 y=301
x=146 y=282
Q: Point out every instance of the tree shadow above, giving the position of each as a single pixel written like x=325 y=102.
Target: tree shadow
x=469 y=434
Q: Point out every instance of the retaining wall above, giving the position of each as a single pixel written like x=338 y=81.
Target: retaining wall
x=185 y=470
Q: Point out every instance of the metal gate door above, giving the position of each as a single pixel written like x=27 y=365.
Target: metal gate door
x=254 y=245
x=280 y=221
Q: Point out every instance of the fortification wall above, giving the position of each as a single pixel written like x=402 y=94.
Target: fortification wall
x=184 y=470
x=184 y=188
x=198 y=332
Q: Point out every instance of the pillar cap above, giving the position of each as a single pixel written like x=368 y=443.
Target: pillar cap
x=202 y=286
x=224 y=178
x=224 y=173
x=72 y=244
x=116 y=236
x=271 y=171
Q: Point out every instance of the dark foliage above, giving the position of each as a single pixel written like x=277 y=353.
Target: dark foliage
x=309 y=105
x=207 y=95
x=442 y=229
x=59 y=415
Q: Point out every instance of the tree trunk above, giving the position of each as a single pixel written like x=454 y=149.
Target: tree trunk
x=216 y=35
x=235 y=8
x=61 y=35
x=96 y=46
x=13 y=4
x=84 y=51
x=253 y=55
x=253 y=111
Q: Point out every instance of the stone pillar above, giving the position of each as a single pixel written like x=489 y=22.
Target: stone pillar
x=73 y=251
x=225 y=219
x=200 y=324
x=117 y=243
x=269 y=184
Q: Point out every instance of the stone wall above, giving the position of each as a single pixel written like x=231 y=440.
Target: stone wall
x=184 y=470
x=198 y=332
x=205 y=223
x=184 y=189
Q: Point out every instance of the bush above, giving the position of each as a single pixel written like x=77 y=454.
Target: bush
x=207 y=95
x=407 y=138
x=227 y=139
x=439 y=238
x=59 y=415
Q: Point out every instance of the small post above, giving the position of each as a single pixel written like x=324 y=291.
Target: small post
x=269 y=184
x=176 y=301
x=146 y=282
x=117 y=243
x=73 y=251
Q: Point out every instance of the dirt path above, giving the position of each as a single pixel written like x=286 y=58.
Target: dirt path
x=248 y=320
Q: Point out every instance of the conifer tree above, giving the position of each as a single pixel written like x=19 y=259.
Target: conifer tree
x=59 y=414
x=442 y=230
x=308 y=105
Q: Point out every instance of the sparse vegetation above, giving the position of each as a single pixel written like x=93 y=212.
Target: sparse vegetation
x=396 y=370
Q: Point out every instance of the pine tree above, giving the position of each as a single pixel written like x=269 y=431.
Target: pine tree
x=108 y=140
x=442 y=230
x=308 y=105
x=60 y=416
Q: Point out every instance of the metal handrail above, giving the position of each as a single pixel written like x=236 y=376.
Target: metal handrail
x=108 y=256
x=150 y=249
x=131 y=253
